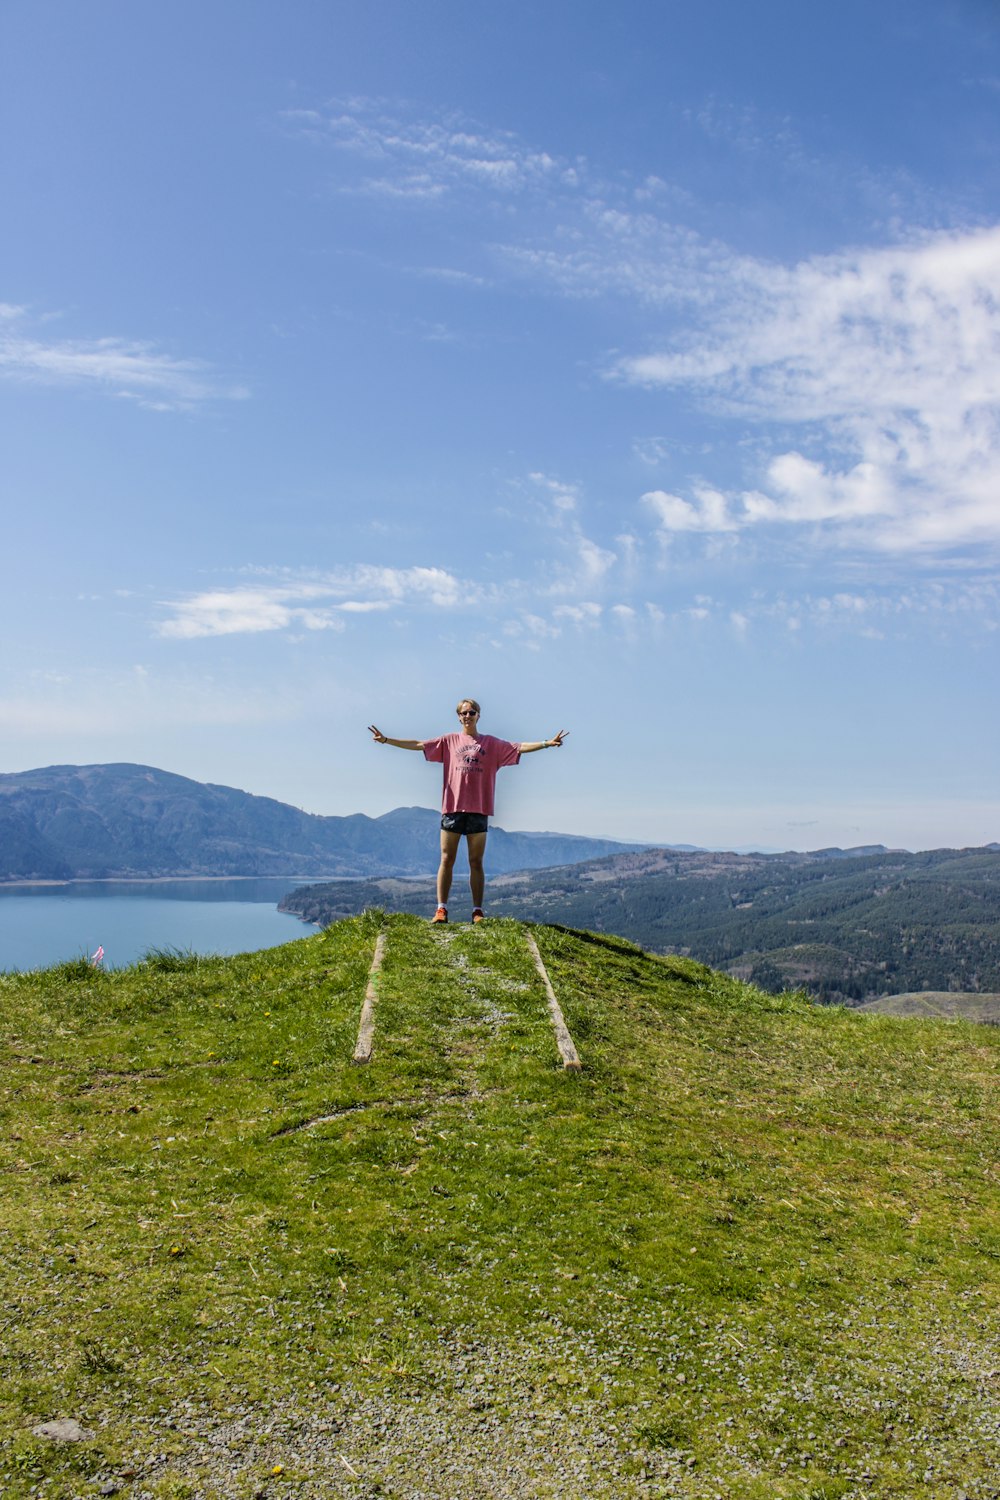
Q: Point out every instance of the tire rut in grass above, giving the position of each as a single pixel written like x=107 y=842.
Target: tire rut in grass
x=482 y=1019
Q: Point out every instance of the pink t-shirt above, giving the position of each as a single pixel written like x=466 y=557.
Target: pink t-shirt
x=470 y=769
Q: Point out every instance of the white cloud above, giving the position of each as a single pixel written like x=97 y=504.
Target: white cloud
x=595 y=561
x=891 y=357
x=888 y=359
x=118 y=367
x=237 y=612
x=396 y=584
x=534 y=613
x=310 y=604
x=531 y=629
x=578 y=584
x=565 y=496
x=588 y=613
x=623 y=614
x=710 y=511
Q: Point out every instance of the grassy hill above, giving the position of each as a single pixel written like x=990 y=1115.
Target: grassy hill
x=943 y=1003
x=751 y=1252
x=845 y=925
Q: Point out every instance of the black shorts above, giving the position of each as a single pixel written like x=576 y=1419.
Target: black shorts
x=465 y=823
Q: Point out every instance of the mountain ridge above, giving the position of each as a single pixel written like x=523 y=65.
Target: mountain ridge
x=122 y=820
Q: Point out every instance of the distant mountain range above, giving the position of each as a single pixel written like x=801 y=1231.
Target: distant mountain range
x=846 y=925
x=132 y=822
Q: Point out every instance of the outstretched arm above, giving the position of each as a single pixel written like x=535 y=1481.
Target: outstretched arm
x=555 y=743
x=383 y=739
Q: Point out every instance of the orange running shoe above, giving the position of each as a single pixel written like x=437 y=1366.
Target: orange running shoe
x=477 y=914
x=441 y=915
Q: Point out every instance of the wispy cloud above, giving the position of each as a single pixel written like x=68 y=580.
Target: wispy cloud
x=243 y=612
x=773 y=144
x=971 y=606
x=586 y=614
x=407 y=156
x=745 y=127
x=290 y=604
x=886 y=358
x=452 y=276
x=604 y=249
x=127 y=369
x=651 y=451
x=584 y=237
x=890 y=359
x=577 y=581
x=582 y=564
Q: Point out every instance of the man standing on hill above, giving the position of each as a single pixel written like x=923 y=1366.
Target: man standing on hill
x=471 y=761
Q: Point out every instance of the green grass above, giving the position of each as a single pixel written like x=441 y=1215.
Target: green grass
x=944 y=1004
x=753 y=1250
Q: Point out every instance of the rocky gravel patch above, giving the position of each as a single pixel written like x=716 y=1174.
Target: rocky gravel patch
x=556 y=1416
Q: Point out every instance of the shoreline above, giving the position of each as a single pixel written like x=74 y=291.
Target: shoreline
x=11 y=885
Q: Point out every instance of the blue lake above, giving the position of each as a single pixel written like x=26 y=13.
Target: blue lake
x=44 y=925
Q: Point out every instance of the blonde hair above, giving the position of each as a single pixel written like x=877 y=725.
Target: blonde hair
x=470 y=701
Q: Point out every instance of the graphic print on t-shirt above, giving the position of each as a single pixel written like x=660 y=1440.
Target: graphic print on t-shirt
x=470 y=756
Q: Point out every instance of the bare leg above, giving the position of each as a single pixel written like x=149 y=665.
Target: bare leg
x=449 y=849
x=477 y=875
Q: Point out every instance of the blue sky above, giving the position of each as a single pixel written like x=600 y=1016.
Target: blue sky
x=631 y=368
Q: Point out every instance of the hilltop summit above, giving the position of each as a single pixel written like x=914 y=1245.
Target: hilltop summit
x=751 y=1250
